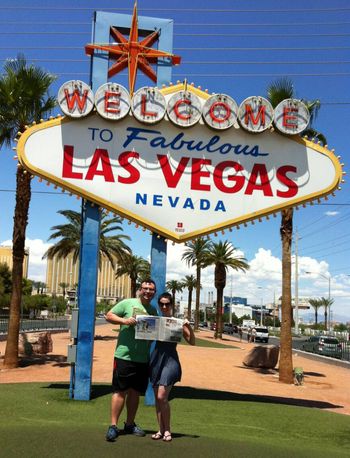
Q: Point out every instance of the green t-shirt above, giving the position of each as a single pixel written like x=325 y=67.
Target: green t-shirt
x=127 y=346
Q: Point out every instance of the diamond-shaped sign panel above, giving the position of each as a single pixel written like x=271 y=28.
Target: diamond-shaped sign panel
x=180 y=183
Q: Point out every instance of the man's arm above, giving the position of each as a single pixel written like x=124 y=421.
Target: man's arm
x=113 y=317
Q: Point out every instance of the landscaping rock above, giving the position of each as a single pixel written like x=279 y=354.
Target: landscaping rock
x=35 y=342
x=262 y=356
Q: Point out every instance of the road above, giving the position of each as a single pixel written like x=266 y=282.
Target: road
x=297 y=343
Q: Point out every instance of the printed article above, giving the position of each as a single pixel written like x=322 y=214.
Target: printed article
x=158 y=328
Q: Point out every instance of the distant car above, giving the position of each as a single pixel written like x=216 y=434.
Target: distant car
x=192 y=322
x=262 y=334
x=203 y=324
x=228 y=328
x=323 y=345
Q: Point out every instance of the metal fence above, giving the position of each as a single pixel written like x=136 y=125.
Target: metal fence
x=345 y=351
x=37 y=325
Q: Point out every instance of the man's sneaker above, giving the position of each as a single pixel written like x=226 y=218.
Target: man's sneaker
x=112 y=433
x=134 y=429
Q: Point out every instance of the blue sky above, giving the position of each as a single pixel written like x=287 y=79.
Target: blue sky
x=233 y=47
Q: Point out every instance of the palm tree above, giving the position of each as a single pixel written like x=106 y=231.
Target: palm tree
x=189 y=282
x=223 y=255
x=276 y=92
x=316 y=304
x=112 y=246
x=24 y=99
x=175 y=287
x=136 y=267
x=194 y=255
x=326 y=303
x=64 y=286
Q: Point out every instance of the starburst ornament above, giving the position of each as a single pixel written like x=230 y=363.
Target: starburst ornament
x=133 y=53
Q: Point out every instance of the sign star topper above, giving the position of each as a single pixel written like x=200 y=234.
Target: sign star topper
x=132 y=53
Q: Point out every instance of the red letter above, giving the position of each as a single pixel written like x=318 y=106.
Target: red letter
x=176 y=109
x=75 y=98
x=197 y=174
x=223 y=105
x=288 y=119
x=144 y=111
x=264 y=186
x=67 y=170
x=124 y=162
x=106 y=172
x=249 y=114
x=108 y=102
x=170 y=178
x=292 y=186
x=237 y=179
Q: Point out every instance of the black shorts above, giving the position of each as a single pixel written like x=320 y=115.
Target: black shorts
x=128 y=374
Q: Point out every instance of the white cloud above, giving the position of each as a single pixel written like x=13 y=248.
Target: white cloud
x=334 y=213
x=264 y=279
x=37 y=265
x=261 y=283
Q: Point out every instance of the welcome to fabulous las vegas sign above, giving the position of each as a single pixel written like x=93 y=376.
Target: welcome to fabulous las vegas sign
x=177 y=160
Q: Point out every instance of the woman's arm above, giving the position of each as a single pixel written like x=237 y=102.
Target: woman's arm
x=188 y=334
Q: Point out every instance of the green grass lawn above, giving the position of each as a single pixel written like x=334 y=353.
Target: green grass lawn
x=38 y=420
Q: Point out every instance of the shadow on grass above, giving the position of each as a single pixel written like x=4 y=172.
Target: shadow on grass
x=196 y=393
x=185 y=392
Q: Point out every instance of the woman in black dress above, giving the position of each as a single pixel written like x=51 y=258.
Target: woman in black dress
x=166 y=370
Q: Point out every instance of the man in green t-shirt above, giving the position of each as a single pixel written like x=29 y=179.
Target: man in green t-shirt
x=131 y=357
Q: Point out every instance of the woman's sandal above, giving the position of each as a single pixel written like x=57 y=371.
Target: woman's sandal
x=157 y=436
x=167 y=437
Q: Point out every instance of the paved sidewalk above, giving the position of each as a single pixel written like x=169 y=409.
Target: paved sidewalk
x=325 y=387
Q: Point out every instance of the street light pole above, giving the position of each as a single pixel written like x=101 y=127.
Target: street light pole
x=329 y=301
x=261 y=307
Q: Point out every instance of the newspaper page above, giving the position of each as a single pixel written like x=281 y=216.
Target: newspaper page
x=158 y=328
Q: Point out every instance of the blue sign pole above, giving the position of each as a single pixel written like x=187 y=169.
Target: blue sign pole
x=89 y=246
x=158 y=274
x=88 y=266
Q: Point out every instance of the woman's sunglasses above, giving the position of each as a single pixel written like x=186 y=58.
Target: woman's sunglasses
x=166 y=304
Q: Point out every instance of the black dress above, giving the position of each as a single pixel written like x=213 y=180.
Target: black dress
x=165 y=368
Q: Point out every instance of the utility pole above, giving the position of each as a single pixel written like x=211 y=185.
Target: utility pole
x=296 y=291
x=231 y=302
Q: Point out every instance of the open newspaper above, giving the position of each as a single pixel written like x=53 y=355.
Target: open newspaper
x=158 y=328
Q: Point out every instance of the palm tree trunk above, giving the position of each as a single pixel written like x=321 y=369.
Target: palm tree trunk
x=325 y=318
x=173 y=292
x=189 y=304
x=133 y=287
x=286 y=362
x=219 y=301
x=198 y=292
x=316 y=317
x=23 y=194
